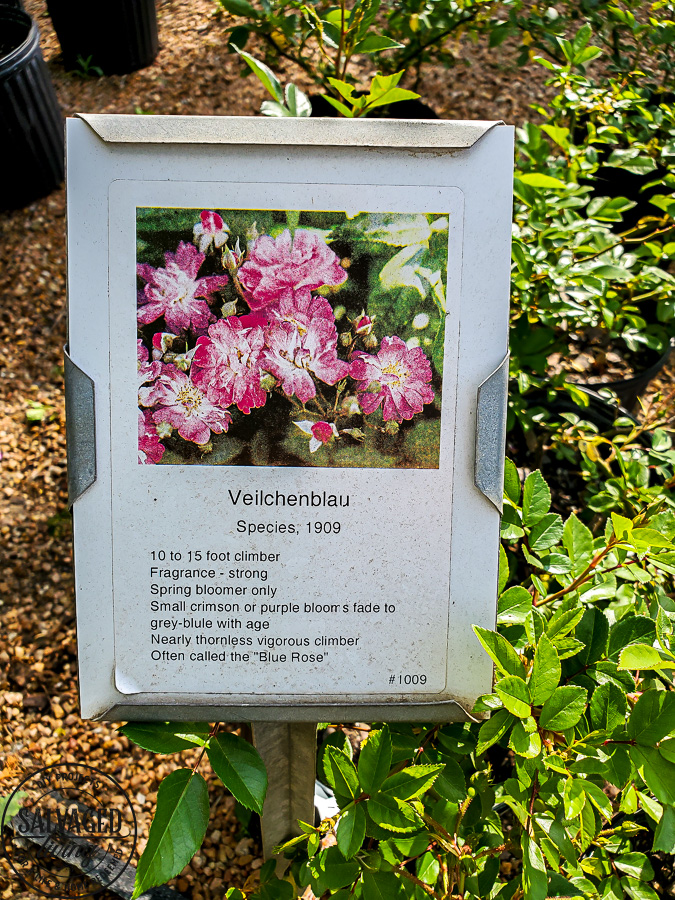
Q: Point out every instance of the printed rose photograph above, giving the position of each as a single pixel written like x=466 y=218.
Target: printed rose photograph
x=290 y=338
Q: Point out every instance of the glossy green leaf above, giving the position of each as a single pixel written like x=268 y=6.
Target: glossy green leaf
x=511 y=481
x=574 y=798
x=410 y=782
x=514 y=694
x=330 y=871
x=451 y=783
x=535 y=879
x=653 y=717
x=664 y=836
x=546 y=533
x=166 y=737
x=658 y=772
x=536 y=498
x=344 y=779
x=500 y=652
x=351 y=830
x=635 y=864
x=607 y=707
x=381 y=886
x=638 y=890
x=263 y=73
x=598 y=798
x=494 y=729
x=564 y=708
x=545 y=674
x=238 y=765
x=525 y=739
x=392 y=814
x=375 y=760
x=177 y=829
x=513 y=606
x=643 y=656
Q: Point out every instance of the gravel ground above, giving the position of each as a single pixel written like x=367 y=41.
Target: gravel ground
x=39 y=722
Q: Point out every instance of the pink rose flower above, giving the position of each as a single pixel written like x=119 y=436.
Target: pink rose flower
x=301 y=309
x=210 y=230
x=181 y=404
x=226 y=364
x=291 y=355
x=150 y=448
x=320 y=433
x=279 y=267
x=403 y=377
x=172 y=292
x=147 y=371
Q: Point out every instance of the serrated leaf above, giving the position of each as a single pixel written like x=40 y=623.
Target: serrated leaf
x=607 y=707
x=513 y=606
x=658 y=772
x=563 y=621
x=503 y=569
x=381 y=886
x=635 y=864
x=539 y=180
x=411 y=781
x=375 y=760
x=166 y=737
x=511 y=481
x=344 y=780
x=564 y=708
x=177 y=829
x=535 y=879
x=392 y=814
x=546 y=533
x=592 y=630
x=536 y=498
x=351 y=830
x=492 y=730
x=330 y=871
x=525 y=739
x=546 y=670
x=598 y=798
x=652 y=718
x=574 y=798
x=500 y=652
x=664 y=836
x=239 y=766
x=451 y=783
x=638 y=890
x=514 y=694
x=642 y=656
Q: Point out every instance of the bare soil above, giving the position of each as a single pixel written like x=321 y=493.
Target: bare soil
x=39 y=722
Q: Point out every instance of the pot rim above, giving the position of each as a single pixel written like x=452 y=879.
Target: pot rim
x=12 y=60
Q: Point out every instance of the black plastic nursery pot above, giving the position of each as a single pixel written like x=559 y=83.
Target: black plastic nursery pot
x=629 y=389
x=31 y=125
x=117 y=36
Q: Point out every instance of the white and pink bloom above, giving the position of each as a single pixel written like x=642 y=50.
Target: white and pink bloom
x=402 y=375
x=150 y=448
x=301 y=310
x=319 y=433
x=227 y=362
x=283 y=266
x=147 y=371
x=174 y=291
x=210 y=230
x=179 y=402
x=294 y=356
